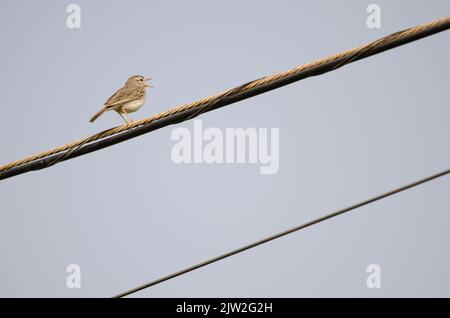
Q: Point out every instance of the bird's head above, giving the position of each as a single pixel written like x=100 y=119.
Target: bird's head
x=138 y=81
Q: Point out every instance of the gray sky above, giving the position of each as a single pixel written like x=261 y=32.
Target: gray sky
x=128 y=214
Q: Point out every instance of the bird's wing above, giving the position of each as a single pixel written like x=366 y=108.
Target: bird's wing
x=124 y=95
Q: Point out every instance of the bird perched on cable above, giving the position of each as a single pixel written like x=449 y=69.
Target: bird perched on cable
x=127 y=99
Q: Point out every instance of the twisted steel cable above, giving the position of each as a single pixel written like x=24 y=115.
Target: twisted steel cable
x=285 y=233
x=187 y=111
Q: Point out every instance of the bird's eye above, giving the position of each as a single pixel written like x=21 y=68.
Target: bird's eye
x=141 y=79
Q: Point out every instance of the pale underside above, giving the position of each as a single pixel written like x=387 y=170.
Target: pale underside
x=129 y=107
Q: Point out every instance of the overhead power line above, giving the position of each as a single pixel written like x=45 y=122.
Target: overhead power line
x=187 y=111
x=284 y=233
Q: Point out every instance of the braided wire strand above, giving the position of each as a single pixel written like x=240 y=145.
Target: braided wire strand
x=347 y=56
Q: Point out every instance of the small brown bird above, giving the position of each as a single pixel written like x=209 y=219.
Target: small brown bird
x=127 y=99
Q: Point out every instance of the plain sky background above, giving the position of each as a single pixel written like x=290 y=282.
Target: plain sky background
x=128 y=214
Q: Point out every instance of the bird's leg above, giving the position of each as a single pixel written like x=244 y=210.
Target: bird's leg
x=128 y=117
x=127 y=120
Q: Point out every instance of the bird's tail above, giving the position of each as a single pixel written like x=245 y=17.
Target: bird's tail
x=98 y=114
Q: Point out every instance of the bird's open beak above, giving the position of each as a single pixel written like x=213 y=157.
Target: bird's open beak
x=147 y=84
